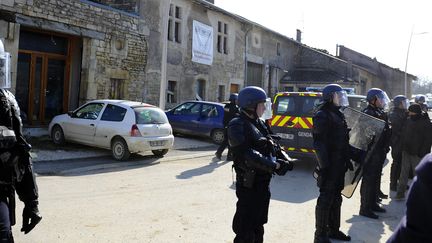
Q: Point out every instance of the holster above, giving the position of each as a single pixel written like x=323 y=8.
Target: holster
x=245 y=175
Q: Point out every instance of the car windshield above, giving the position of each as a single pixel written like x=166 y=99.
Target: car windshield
x=149 y=115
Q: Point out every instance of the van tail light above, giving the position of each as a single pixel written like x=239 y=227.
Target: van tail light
x=135 y=132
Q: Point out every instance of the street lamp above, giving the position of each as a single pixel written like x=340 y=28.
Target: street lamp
x=406 y=61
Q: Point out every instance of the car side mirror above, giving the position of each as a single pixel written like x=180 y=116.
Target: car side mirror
x=70 y=113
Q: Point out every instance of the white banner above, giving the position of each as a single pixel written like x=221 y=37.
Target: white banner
x=202 y=43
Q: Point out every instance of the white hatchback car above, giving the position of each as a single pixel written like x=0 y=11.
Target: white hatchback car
x=123 y=126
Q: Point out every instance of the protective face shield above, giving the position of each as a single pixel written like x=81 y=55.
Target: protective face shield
x=268 y=114
x=4 y=68
x=340 y=98
x=382 y=100
x=405 y=104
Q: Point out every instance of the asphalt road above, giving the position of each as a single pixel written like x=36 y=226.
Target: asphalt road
x=184 y=197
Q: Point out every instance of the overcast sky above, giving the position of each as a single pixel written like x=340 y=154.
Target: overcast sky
x=375 y=28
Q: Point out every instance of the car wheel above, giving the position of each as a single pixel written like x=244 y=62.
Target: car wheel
x=119 y=149
x=57 y=135
x=218 y=136
x=160 y=152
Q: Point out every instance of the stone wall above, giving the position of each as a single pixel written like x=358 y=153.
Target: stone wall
x=117 y=49
x=130 y=6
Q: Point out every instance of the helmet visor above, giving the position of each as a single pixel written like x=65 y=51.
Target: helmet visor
x=383 y=100
x=405 y=104
x=268 y=110
x=340 y=98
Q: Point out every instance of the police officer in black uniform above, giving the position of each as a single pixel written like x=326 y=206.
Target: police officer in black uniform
x=370 y=191
x=397 y=118
x=230 y=111
x=331 y=144
x=254 y=164
x=16 y=174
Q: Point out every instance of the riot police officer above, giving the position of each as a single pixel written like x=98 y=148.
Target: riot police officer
x=331 y=144
x=230 y=111
x=254 y=165
x=422 y=100
x=397 y=118
x=16 y=174
x=370 y=191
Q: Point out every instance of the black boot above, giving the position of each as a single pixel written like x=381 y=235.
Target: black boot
x=368 y=213
x=339 y=235
x=378 y=208
x=322 y=239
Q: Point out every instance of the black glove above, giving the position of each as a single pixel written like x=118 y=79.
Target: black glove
x=284 y=166
x=31 y=216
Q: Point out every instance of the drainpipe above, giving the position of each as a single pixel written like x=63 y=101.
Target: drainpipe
x=163 y=83
x=245 y=55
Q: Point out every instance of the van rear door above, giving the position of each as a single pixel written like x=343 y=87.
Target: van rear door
x=304 y=123
x=292 y=120
x=284 y=120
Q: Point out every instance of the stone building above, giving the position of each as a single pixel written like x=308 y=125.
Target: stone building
x=67 y=52
x=376 y=74
x=161 y=52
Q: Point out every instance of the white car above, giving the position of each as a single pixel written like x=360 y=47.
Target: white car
x=123 y=126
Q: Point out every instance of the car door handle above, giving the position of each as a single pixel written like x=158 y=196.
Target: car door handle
x=92 y=125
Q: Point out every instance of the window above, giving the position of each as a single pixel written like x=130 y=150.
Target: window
x=285 y=105
x=209 y=111
x=221 y=93
x=113 y=113
x=174 y=23
x=309 y=104
x=222 y=38
x=145 y=115
x=90 y=111
x=116 y=89
x=171 y=92
x=200 y=89
x=278 y=49
x=188 y=109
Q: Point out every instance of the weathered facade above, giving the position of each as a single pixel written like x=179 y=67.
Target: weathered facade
x=65 y=53
x=377 y=74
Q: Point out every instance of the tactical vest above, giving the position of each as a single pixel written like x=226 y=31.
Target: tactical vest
x=8 y=160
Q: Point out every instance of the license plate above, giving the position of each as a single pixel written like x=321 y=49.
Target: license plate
x=157 y=143
x=286 y=136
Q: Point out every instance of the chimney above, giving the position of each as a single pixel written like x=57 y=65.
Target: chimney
x=298 y=38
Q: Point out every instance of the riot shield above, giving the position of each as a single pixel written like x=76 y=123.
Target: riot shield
x=364 y=135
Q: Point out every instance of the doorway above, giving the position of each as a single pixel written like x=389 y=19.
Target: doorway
x=42 y=76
